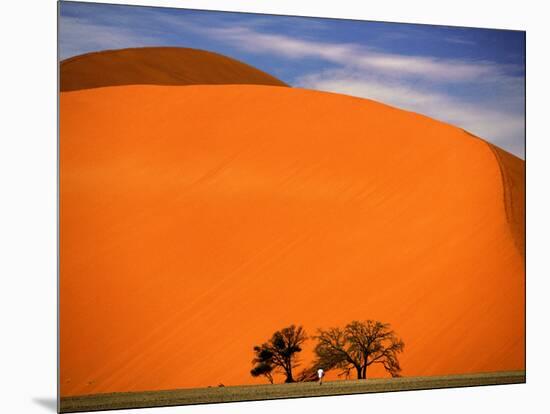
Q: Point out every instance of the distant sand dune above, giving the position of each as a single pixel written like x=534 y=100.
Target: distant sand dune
x=157 y=66
x=196 y=220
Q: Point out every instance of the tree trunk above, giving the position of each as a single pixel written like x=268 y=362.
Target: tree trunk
x=359 y=372
x=365 y=372
x=288 y=372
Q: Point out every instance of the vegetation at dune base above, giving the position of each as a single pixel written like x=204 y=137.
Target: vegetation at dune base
x=353 y=348
x=357 y=346
x=279 y=354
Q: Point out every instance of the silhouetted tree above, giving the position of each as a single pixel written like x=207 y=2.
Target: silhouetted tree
x=279 y=354
x=264 y=363
x=357 y=346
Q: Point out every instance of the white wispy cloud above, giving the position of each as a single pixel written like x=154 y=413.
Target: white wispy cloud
x=358 y=56
x=459 y=40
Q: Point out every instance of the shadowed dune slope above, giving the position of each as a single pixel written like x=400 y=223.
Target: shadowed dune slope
x=157 y=66
x=513 y=176
x=197 y=220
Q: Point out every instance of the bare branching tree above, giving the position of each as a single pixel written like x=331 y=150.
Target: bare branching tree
x=279 y=354
x=357 y=346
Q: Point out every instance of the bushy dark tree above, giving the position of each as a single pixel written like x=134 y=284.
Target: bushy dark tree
x=279 y=354
x=263 y=363
x=357 y=346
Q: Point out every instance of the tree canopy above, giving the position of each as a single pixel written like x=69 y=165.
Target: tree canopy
x=357 y=346
x=279 y=354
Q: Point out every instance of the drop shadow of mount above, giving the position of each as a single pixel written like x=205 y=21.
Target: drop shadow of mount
x=49 y=403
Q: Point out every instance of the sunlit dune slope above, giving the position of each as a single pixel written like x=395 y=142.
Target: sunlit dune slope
x=157 y=66
x=197 y=220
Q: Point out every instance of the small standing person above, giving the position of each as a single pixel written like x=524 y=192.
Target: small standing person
x=320 y=374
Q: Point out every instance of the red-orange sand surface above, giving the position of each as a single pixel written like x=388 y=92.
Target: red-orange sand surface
x=157 y=66
x=197 y=220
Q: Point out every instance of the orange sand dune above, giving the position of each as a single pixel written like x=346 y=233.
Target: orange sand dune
x=157 y=66
x=196 y=220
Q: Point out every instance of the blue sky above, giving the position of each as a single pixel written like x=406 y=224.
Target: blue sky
x=472 y=78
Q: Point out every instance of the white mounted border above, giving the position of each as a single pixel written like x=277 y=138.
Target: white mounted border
x=28 y=185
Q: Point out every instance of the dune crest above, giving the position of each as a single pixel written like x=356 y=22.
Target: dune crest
x=513 y=178
x=512 y=170
x=197 y=220
x=157 y=66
